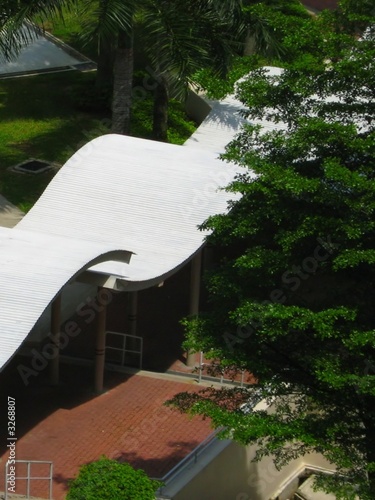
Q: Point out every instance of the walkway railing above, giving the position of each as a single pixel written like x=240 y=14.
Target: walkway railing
x=191 y=458
x=28 y=477
x=124 y=350
x=222 y=378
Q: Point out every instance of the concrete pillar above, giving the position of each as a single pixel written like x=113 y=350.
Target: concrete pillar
x=132 y=315
x=100 y=346
x=54 y=364
x=132 y=344
x=195 y=284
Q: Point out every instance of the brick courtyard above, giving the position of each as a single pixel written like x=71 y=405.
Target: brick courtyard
x=70 y=426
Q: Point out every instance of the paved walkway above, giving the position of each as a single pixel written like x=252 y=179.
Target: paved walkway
x=70 y=426
x=9 y=213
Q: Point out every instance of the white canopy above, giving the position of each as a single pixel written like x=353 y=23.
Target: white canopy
x=117 y=197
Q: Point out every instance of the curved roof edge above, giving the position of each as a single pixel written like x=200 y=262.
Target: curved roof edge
x=117 y=197
x=35 y=267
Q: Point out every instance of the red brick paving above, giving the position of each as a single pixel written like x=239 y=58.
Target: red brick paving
x=70 y=426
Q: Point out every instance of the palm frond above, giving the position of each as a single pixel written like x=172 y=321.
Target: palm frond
x=16 y=22
x=106 y=18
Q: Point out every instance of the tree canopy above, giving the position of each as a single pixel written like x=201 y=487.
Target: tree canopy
x=107 y=479
x=291 y=296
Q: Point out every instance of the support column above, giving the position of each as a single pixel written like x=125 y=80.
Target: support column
x=132 y=315
x=100 y=346
x=195 y=284
x=54 y=365
x=131 y=343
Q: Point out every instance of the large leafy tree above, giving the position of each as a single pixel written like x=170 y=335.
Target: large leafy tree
x=291 y=297
x=269 y=22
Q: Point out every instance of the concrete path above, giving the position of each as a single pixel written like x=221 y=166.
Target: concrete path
x=9 y=213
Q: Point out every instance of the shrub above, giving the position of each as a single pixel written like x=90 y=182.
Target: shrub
x=108 y=479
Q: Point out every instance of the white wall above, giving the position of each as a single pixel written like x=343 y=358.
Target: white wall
x=227 y=472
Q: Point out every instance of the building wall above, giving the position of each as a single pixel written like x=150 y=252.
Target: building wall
x=227 y=472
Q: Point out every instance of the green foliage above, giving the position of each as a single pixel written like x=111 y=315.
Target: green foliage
x=292 y=293
x=93 y=99
x=107 y=479
x=279 y=33
x=269 y=23
x=33 y=123
x=217 y=88
x=180 y=127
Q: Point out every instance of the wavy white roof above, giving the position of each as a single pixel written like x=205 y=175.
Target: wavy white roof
x=117 y=198
x=145 y=196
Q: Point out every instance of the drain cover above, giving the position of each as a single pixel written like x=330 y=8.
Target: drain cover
x=32 y=166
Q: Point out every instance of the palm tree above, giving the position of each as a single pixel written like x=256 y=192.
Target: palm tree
x=180 y=37
x=112 y=23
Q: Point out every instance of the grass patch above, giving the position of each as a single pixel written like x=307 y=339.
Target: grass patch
x=51 y=116
x=179 y=127
x=40 y=118
x=69 y=30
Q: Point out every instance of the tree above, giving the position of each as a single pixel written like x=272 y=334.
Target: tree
x=177 y=37
x=291 y=297
x=280 y=32
x=182 y=37
x=270 y=21
x=107 y=479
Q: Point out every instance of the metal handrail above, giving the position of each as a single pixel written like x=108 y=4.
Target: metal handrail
x=191 y=457
x=124 y=350
x=29 y=478
x=221 y=378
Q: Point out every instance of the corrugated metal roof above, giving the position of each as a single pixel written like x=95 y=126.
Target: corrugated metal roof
x=34 y=268
x=116 y=193
x=143 y=195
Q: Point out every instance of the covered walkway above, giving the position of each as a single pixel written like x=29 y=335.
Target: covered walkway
x=122 y=214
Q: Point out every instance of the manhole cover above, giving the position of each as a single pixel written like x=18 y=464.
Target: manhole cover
x=32 y=166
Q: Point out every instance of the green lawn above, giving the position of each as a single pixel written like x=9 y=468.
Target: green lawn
x=39 y=118
x=69 y=31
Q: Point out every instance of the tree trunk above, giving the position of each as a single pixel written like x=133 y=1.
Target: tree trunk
x=122 y=84
x=104 y=73
x=369 y=423
x=161 y=101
